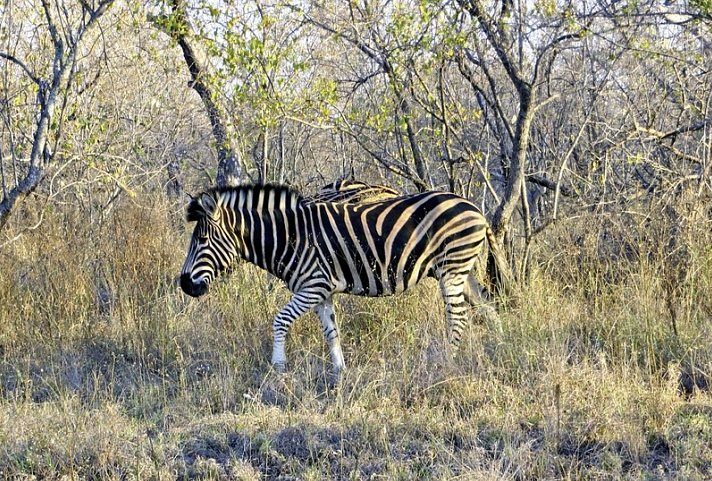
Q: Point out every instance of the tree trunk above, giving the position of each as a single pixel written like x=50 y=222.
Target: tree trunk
x=517 y=163
x=229 y=170
x=174 y=186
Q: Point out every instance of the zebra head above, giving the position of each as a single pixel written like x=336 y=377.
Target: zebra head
x=212 y=247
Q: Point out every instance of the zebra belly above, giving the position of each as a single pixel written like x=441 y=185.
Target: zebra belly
x=360 y=284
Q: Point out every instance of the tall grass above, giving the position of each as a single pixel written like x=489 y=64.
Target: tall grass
x=107 y=371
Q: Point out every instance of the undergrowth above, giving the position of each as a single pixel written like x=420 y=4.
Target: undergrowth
x=107 y=371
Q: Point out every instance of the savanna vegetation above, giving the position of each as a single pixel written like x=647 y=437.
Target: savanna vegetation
x=582 y=129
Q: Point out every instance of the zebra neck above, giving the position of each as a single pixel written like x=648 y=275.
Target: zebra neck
x=263 y=199
x=269 y=225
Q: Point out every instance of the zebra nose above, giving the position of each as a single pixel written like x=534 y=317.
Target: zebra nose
x=191 y=288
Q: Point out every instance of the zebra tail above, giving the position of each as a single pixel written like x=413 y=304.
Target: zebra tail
x=498 y=271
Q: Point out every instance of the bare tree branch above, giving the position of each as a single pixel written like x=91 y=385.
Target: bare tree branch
x=24 y=67
x=549 y=184
x=685 y=129
x=62 y=69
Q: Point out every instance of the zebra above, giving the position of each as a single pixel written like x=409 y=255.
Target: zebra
x=322 y=248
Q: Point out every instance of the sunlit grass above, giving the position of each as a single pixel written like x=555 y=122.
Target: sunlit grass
x=107 y=371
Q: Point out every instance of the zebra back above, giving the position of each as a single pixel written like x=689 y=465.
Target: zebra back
x=345 y=191
x=491 y=271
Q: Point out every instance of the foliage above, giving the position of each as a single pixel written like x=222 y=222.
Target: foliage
x=601 y=368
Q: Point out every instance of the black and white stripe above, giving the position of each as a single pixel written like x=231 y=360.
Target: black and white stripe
x=350 y=191
x=322 y=248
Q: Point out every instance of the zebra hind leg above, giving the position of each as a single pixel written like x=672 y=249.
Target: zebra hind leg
x=456 y=307
x=327 y=316
x=478 y=297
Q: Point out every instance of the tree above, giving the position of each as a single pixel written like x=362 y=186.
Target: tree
x=178 y=26
x=525 y=43
x=67 y=28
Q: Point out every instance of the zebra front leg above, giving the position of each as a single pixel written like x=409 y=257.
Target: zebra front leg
x=297 y=306
x=326 y=314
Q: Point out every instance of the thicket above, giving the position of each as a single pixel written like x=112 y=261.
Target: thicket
x=108 y=371
x=581 y=129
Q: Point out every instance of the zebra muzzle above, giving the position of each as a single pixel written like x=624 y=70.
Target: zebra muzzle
x=192 y=288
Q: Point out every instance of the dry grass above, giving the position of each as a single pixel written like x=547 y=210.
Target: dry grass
x=108 y=372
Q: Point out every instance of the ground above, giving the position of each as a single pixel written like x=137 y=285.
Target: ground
x=107 y=371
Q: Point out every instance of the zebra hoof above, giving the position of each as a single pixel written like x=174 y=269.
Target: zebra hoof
x=336 y=378
x=279 y=389
x=279 y=367
x=453 y=355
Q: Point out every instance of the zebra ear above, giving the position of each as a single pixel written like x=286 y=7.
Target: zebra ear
x=194 y=211
x=209 y=206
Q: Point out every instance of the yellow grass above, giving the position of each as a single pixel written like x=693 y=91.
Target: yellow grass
x=107 y=371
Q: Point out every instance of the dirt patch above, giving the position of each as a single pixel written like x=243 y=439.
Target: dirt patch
x=206 y=447
x=691 y=379
x=294 y=442
x=659 y=455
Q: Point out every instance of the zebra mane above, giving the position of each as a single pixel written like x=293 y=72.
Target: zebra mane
x=256 y=189
x=196 y=210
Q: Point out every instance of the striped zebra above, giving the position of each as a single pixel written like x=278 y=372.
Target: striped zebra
x=349 y=191
x=321 y=248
